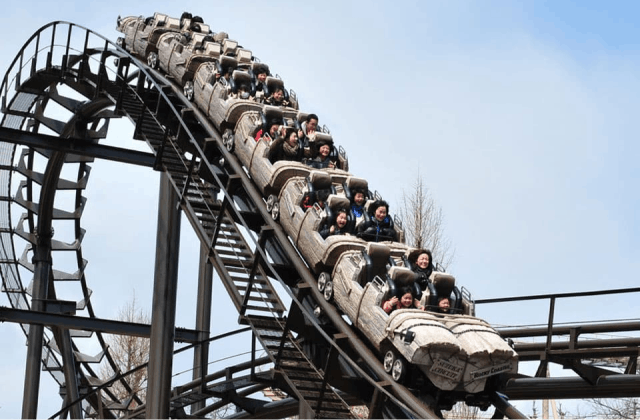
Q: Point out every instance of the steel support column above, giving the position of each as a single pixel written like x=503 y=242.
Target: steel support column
x=164 y=302
x=42 y=260
x=203 y=322
x=40 y=290
x=63 y=337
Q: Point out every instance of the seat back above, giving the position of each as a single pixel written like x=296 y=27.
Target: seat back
x=335 y=203
x=270 y=115
x=212 y=48
x=375 y=256
x=172 y=23
x=229 y=47
x=243 y=56
x=238 y=78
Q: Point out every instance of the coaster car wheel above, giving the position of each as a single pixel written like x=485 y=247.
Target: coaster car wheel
x=394 y=365
x=271 y=200
x=275 y=212
x=388 y=360
x=228 y=140
x=152 y=60
x=188 y=90
x=323 y=278
x=399 y=369
x=328 y=291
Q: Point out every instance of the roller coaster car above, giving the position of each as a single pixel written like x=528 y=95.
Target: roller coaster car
x=180 y=56
x=257 y=156
x=142 y=34
x=455 y=352
x=226 y=107
x=303 y=226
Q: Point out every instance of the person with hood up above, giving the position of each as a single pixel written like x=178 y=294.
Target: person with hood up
x=378 y=228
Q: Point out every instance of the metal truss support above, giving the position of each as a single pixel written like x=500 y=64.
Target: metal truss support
x=203 y=323
x=163 y=314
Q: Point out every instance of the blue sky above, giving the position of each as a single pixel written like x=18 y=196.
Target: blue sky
x=519 y=116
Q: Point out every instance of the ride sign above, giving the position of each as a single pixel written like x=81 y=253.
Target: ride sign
x=446 y=369
x=490 y=371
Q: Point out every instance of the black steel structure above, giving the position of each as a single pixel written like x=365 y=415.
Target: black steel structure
x=322 y=369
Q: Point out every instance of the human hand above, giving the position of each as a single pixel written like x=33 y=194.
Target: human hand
x=332 y=229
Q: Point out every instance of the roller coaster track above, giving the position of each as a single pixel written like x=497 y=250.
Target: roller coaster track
x=65 y=69
x=247 y=248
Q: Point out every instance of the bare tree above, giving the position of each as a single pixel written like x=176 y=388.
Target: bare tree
x=423 y=223
x=616 y=408
x=129 y=352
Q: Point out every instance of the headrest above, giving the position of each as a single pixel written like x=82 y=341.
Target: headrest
x=378 y=251
x=244 y=56
x=336 y=202
x=229 y=46
x=173 y=23
x=355 y=182
x=320 y=180
x=220 y=36
x=159 y=17
x=322 y=138
x=186 y=22
x=402 y=276
x=443 y=283
x=272 y=112
x=368 y=204
x=273 y=83
x=197 y=39
x=204 y=28
x=227 y=62
x=302 y=117
x=240 y=76
x=257 y=67
x=212 y=48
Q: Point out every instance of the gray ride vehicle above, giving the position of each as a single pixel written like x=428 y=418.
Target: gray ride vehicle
x=456 y=352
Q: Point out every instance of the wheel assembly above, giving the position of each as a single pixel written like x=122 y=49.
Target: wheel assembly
x=323 y=278
x=388 y=360
x=152 y=60
x=328 y=290
x=188 y=90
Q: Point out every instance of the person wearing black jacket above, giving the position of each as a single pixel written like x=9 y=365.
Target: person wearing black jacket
x=422 y=264
x=379 y=226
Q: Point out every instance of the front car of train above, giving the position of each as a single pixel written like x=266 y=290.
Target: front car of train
x=454 y=351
